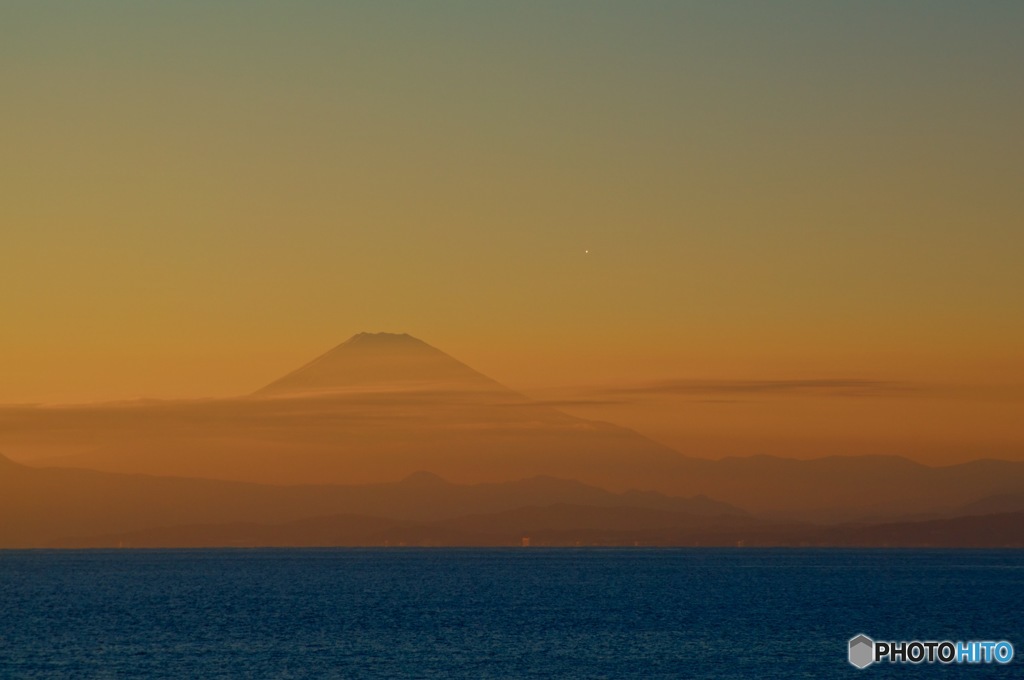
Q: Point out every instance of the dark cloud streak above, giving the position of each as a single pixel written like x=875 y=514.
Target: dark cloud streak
x=828 y=386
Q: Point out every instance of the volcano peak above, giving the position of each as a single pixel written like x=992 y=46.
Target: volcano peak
x=378 y=360
x=383 y=339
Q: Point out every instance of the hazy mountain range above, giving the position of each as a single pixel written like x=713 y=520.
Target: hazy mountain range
x=40 y=505
x=335 y=453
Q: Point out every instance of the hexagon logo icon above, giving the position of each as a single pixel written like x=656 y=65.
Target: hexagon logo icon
x=862 y=651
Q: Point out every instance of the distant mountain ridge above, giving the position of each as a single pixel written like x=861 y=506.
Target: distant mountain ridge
x=68 y=508
x=564 y=525
x=382 y=406
x=374 y=409
x=42 y=505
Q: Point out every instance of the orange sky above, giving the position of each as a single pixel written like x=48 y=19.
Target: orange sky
x=199 y=199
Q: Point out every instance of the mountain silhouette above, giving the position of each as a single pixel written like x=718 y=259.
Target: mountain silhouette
x=380 y=360
x=569 y=525
x=41 y=505
x=381 y=407
x=374 y=409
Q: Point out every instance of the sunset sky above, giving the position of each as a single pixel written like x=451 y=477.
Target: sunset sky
x=746 y=227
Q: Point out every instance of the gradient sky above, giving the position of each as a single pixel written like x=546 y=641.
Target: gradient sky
x=200 y=196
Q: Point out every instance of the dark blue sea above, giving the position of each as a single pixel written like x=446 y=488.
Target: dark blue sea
x=518 y=613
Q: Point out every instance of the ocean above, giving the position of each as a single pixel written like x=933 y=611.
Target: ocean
x=497 y=613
